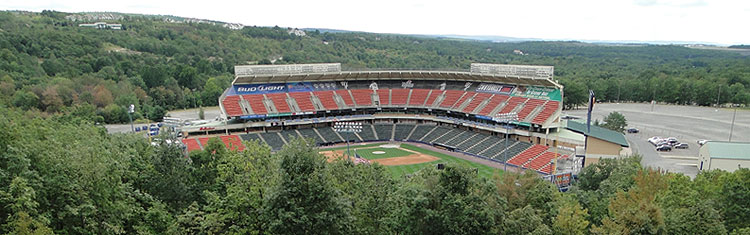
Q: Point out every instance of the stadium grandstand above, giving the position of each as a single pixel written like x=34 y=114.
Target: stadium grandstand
x=453 y=110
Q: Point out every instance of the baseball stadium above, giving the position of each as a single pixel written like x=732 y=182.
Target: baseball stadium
x=489 y=117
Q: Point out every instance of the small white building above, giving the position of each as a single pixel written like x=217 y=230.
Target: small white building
x=728 y=156
x=102 y=25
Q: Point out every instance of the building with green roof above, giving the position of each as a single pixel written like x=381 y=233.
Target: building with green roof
x=728 y=156
x=602 y=142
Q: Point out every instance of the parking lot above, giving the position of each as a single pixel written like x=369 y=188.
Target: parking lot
x=686 y=123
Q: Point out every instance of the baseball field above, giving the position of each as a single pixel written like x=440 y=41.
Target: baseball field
x=402 y=159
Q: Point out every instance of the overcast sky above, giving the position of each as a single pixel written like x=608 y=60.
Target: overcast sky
x=713 y=21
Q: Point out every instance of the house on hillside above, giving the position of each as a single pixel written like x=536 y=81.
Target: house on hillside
x=102 y=25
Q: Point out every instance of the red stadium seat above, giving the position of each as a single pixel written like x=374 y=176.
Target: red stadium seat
x=451 y=96
x=303 y=101
x=418 y=97
x=191 y=144
x=232 y=105
x=362 y=97
x=326 y=97
x=384 y=95
x=549 y=109
x=256 y=103
x=512 y=103
x=541 y=161
x=433 y=96
x=530 y=105
x=399 y=96
x=279 y=100
x=347 y=98
x=528 y=154
x=476 y=101
x=494 y=102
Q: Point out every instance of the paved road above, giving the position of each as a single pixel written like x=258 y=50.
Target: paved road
x=687 y=123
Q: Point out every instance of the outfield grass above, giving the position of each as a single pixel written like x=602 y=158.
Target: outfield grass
x=398 y=171
x=389 y=152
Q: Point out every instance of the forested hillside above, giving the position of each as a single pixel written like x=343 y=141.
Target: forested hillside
x=49 y=63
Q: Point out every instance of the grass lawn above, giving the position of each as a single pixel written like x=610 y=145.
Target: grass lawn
x=389 y=152
x=399 y=171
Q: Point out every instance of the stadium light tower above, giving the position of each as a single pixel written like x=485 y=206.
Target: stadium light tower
x=506 y=118
x=347 y=127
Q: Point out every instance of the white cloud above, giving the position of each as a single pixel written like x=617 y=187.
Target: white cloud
x=717 y=21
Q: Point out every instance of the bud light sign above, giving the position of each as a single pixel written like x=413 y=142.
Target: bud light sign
x=259 y=88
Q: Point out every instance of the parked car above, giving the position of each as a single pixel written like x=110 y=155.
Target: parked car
x=702 y=142
x=681 y=146
x=665 y=148
x=633 y=130
x=672 y=140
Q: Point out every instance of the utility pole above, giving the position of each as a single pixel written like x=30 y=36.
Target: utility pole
x=732 y=127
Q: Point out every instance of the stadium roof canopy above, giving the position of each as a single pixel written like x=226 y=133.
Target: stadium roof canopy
x=598 y=132
x=728 y=150
x=330 y=74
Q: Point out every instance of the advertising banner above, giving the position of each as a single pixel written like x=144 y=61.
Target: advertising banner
x=250 y=89
x=542 y=93
x=495 y=88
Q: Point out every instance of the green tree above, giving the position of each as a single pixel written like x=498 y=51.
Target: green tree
x=615 y=121
x=26 y=100
x=304 y=200
x=570 y=218
x=733 y=198
x=201 y=113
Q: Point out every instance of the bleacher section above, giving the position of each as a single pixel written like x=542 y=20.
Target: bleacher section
x=346 y=97
x=399 y=96
x=527 y=155
x=367 y=134
x=476 y=101
x=471 y=141
x=513 y=150
x=530 y=105
x=273 y=140
x=451 y=96
x=256 y=103
x=418 y=97
x=494 y=102
x=232 y=105
x=446 y=136
x=303 y=101
x=362 y=97
x=420 y=131
x=457 y=138
x=191 y=144
x=384 y=131
x=326 y=98
x=463 y=99
x=310 y=133
x=252 y=136
x=541 y=161
x=549 y=109
x=384 y=95
x=548 y=168
x=402 y=131
x=279 y=101
x=328 y=134
x=439 y=131
x=232 y=142
x=512 y=104
x=433 y=96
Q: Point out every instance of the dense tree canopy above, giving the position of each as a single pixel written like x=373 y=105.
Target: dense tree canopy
x=63 y=174
x=48 y=63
